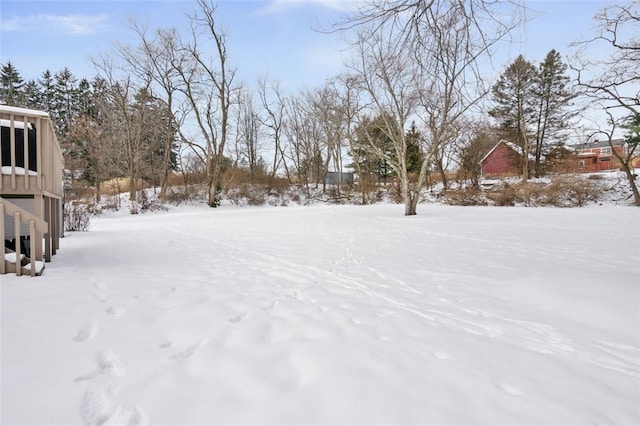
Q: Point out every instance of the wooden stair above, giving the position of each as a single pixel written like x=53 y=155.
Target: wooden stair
x=25 y=264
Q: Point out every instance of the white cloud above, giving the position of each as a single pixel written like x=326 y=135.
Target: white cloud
x=45 y=23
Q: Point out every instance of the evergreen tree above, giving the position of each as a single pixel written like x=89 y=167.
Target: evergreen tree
x=414 y=155
x=554 y=95
x=516 y=105
x=374 y=148
x=65 y=100
x=32 y=95
x=11 y=86
x=47 y=93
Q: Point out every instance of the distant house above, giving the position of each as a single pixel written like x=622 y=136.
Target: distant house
x=504 y=159
x=335 y=178
x=561 y=159
x=597 y=156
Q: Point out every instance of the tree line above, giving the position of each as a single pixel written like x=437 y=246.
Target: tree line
x=409 y=104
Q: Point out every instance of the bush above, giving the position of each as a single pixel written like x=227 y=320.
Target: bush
x=149 y=204
x=570 y=192
x=505 y=196
x=465 y=197
x=76 y=217
x=563 y=191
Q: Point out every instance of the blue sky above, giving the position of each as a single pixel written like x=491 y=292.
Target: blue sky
x=265 y=37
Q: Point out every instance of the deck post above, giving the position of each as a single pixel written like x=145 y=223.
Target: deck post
x=38 y=210
x=33 y=237
x=48 y=235
x=16 y=234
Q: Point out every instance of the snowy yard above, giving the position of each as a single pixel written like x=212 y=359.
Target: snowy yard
x=331 y=315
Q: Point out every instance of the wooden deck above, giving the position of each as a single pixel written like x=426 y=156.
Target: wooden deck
x=31 y=190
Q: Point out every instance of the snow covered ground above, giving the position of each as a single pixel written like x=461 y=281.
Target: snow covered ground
x=331 y=315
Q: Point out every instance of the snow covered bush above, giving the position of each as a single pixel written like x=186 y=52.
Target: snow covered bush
x=76 y=217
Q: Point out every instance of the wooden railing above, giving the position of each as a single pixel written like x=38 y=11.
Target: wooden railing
x=24 y=177
x=37 y=228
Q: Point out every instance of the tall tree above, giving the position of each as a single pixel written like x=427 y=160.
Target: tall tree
x=248 y=127
x=65 y=100
x=273 y=104
x=32 y=95
x=158 y=55
x=515 y=110
x=11 y=85
x=47 y=88
x=554 y=95
x=207 y=83
x=421 y=58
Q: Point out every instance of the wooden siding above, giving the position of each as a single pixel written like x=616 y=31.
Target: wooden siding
x=502 y=160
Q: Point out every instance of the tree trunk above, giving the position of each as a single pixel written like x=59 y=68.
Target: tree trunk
x=411 y=203
x=632 y=184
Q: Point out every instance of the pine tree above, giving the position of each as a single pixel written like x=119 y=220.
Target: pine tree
x=47 y=91
x=11 y=86
x=516 y=108
x=65 y=100
x=554 y=96
x=32 y=95
x=414 y=155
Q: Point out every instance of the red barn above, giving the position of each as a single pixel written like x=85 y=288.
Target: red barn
x=504 y=159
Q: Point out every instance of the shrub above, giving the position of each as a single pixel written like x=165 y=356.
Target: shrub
x=505 y=196
x=151 y=204
x=76 y=217
x=570 y=192
x=465 y=197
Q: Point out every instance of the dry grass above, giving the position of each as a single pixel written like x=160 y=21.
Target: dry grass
x=562 y=191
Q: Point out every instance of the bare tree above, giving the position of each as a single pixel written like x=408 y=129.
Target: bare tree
x=307 y=142
x=248 y=128
x=157 y=57
x=207 y=82
x=128 y=101
x=332 y=115
x=420 y=59
x=613 y=81
x=388 y=75
x=273 y=103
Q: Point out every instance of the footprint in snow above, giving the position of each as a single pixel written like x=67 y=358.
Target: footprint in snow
x=109 y=364
x=97 y=408
x=115 y=311
x=238 y=318
x=101 y=296
x=87 y=331
x=129 y=415
x=165 y=345
x=188 y=352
